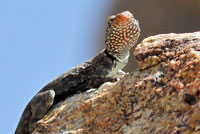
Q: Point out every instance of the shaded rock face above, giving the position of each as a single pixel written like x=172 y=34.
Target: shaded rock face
x=162 y=97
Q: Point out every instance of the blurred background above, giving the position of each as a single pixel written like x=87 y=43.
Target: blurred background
x=39 y=40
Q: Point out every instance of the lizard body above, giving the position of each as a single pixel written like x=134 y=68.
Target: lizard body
x=122 y=33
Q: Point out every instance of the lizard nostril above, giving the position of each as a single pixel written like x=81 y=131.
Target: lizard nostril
x=110 y=19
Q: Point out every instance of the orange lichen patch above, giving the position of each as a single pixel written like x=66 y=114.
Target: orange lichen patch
x=174 y=64
x=176 y=84
x=188 y=75
x=193 y=87
x=151 y=61
x=160 y=91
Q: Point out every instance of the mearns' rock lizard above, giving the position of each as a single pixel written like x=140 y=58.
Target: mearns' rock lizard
x=122 y=33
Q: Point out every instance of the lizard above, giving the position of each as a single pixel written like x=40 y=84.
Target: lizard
x=122 y=34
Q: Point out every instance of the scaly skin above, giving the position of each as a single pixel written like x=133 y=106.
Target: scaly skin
x=122 y=33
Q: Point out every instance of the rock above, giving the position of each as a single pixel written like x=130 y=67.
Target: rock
x=163 y=96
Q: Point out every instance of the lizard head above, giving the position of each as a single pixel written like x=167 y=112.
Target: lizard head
x=122 y=33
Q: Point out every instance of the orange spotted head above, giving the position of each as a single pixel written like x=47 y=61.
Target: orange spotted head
x=122 y=33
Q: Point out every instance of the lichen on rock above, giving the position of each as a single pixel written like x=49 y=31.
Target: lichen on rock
x=163 y=96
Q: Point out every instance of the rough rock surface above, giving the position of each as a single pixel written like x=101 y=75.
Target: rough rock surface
x=162 y=97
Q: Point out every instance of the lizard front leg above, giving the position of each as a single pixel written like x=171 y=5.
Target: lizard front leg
x=39 y=105
x=96 y=81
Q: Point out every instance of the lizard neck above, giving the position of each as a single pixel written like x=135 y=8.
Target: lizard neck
x=120 y=57
x=119 y=62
